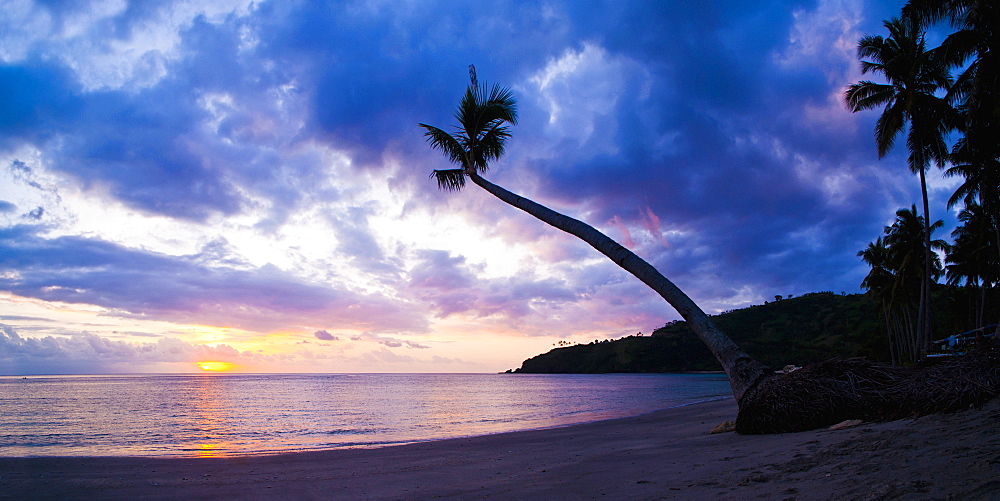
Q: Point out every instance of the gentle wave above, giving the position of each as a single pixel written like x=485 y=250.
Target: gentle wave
x=223 y=415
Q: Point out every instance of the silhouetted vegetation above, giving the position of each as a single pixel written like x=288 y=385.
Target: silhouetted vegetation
x=794 y=331
x=932 y=95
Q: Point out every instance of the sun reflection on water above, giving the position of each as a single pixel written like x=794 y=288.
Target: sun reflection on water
x=209 y=419
x=210 y=451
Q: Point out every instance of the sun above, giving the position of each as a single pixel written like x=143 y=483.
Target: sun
x=215 y=366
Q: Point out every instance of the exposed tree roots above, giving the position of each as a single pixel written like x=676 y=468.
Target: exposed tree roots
x=836 y=390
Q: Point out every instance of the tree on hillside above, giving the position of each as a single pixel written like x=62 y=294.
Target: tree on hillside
x=914 y=76
x=484 y=115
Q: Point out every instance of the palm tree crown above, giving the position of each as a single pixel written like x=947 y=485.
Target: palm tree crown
x=480 y=137
x=913 y=76
x=974 y=255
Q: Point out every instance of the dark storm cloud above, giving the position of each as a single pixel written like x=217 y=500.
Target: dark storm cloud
x=136 y=144
x=158 y=148
x=722 y=146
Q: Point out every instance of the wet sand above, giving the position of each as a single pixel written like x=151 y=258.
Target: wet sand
x=668 y=454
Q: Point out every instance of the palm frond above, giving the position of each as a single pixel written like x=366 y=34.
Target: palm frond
x=447 y=143
x=872 y=47
x=888 y=126
x=870 y=67
x=500 y=106
x=449 y=179
x=927 y=12
x=481 y=133
x=467 y=113
x=491 y=146
x=866 y=95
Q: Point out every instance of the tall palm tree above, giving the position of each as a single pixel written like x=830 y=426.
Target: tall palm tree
x=484 y=115
x=975 y=48
x=914 y=75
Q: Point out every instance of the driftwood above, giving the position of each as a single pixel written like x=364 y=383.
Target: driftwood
x=826 y=393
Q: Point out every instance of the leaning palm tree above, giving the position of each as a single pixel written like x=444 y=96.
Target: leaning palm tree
x=814 y=396
x=914 y=75
x=484 y=116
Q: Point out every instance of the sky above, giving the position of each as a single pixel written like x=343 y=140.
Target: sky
x=245 y=182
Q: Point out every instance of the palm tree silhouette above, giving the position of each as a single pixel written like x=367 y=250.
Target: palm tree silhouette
x=979 y=235
x=913 y=75
x=975 y=49
x=905 y=242
x=880 y=283
x=974 y=258
x=484 y=115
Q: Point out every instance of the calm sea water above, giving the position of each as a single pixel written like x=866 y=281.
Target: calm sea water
x=220 y=415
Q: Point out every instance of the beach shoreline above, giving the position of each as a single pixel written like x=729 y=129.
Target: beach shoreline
x=665 y=454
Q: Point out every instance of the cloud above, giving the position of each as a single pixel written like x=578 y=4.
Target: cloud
x=323 y=335
x=179 y=288
x=450 y=287
x=258 y=165
x=89 y=353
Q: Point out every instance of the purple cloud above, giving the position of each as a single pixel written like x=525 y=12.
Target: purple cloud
x=710 y=140
x=91 y=271
x=323 y=335
x=88 y=353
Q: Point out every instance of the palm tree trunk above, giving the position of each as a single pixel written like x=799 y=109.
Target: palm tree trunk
x=904 y=333
x=911 y=335
x=889 y=334
x=981 y=305
x=996 y=228
x=924 y=311
x=743 y=370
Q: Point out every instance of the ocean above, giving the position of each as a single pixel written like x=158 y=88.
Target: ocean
x=209 y=415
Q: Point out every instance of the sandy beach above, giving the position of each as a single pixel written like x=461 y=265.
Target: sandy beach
x=668 y=454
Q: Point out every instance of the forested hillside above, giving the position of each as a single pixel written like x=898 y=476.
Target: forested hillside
x=797 y=331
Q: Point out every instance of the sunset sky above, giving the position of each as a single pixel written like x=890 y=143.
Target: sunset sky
x=245 y=182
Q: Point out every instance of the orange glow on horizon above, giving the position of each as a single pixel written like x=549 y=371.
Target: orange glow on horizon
x=215 y=366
